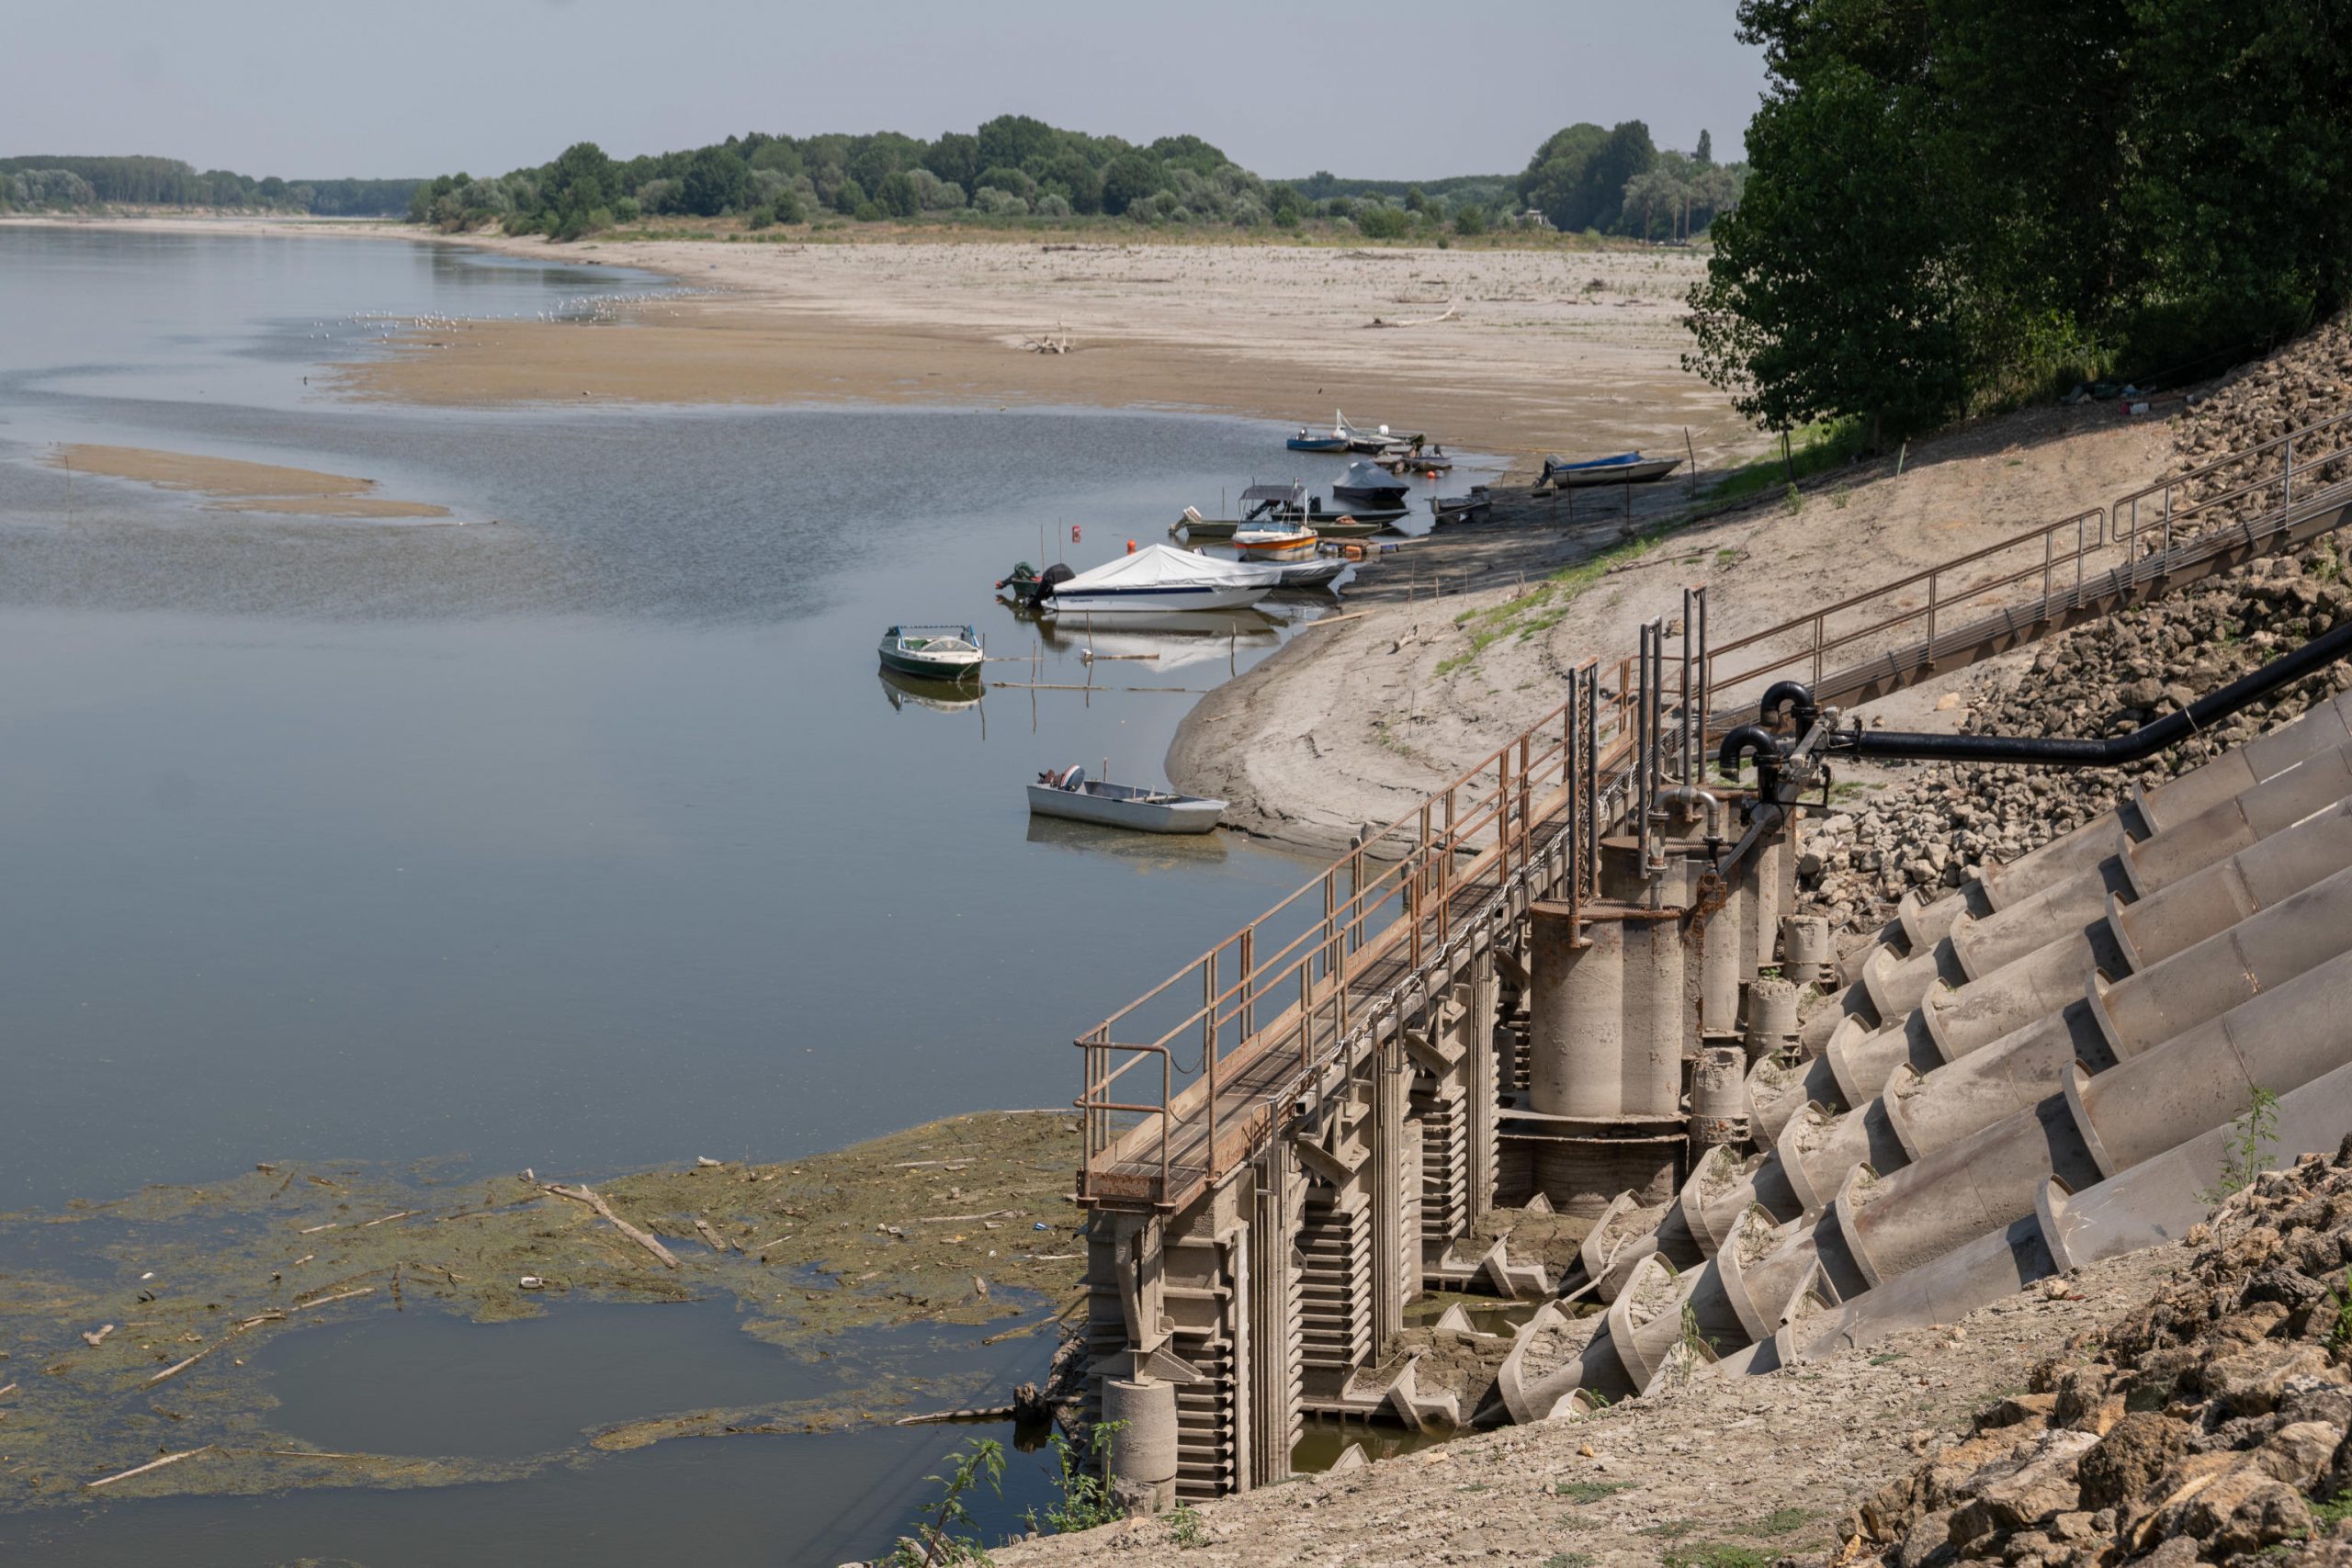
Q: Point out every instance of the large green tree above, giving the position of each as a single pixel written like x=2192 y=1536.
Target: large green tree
x=2026 y=191
x=716 y=181
x=1829 y=293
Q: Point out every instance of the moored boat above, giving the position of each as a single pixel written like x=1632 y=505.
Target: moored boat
x=1471 y=508
x=1160 y=577
x=1619 y=469
x=1367 y=485
x=1273 y=540
x=1288 y=504
x=1318 y=572
x=933 y=653
x=1068 y=792
x=1307 y=441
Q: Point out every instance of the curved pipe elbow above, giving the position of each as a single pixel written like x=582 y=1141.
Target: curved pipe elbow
x=1749 y=740
x=1797 y=695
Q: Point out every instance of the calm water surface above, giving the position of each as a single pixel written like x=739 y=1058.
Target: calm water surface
x=583 y=837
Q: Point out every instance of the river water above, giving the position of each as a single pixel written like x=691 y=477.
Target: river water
x=583 y=836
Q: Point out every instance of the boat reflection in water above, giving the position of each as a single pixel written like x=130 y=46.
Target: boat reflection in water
x=1162 y=640
x=947 y=696
x=1141 y=852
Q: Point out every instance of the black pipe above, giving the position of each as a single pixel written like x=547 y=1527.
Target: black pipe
x=1761 y=743
x=1797 y=695
x=2145 y=741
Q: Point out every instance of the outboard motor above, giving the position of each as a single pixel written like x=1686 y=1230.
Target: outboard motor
x=1047 y=581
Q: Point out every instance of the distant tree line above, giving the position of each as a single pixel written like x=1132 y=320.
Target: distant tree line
x=1016 y=167
x=1620 y=182
x=66 y=182
x=1952 y=207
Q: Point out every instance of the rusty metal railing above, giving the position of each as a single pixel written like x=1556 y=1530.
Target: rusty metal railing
x=1289 y=986
x=2020 y=586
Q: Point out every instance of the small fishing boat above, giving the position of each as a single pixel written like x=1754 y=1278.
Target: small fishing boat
x=1370 y=442
x=1273 y=540
x=1307 y=441
x=1416 y=459
x=933 y=653
x=1367 y=485
x=1157 y=577
x=1068 y=792
x=1471 y=508
x=1621 y=468
x=1288 y=504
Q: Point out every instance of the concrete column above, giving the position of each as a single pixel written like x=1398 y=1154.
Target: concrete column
x=1806 y=946
x=1396 y=1171
x=1485 y=1097
x=1576 y=1016
x=1142 y=1459
x=1606 y=1027
x=1272 y=1377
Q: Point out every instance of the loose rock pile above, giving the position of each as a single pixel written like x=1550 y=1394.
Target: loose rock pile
x=1934 y=829
x=2208 y=1425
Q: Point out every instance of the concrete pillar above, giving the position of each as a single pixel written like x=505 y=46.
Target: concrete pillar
x=1772 y=1017
x=1718 y=1099
x=1396 y=1176
x=1606 y=1025
x=1576 y=1015
x=1273 y=1351
x=1806 y=947
x=1483 y=1100
x=1142 y=1459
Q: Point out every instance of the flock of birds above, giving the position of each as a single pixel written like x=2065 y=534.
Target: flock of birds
x=384 y=325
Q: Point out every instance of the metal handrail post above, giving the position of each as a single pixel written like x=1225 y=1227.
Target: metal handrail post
x=1208 y=1051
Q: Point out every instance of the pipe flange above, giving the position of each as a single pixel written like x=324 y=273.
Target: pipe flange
x=2051 y=1217
x=2123 y=935
x=1694 y=1208
x=1727 y=1272
x=1898 y=1119
x=1877 y=970
x=1790 y=1160
x=1932 y=1011
x=1591 y=1252
x=2095 y=988
x=1844 y=1213
x=1850 y=1089
x=2076 y=1077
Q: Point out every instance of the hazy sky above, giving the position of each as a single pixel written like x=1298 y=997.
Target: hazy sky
x=1370 y=88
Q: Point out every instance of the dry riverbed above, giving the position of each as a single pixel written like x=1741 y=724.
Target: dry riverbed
x=128 y=1330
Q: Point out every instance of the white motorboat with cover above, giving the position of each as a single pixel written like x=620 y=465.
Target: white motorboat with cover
x=1068 y=792
x=1157 y=577
x=933 y=653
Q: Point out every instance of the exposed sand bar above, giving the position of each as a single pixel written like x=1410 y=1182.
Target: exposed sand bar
x=1533 y=356
x=243 y=487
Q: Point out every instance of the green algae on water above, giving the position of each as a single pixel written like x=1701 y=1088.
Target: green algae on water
x=130 y=1331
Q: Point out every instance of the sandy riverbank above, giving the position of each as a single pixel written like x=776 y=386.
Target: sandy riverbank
x=243 y=487
x=1542 y=349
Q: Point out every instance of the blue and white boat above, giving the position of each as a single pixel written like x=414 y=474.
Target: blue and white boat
x=1160 y=577
x=1307 y=441
x=1621 y=468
